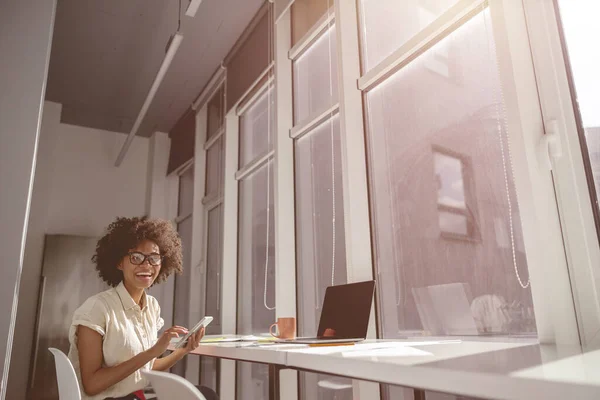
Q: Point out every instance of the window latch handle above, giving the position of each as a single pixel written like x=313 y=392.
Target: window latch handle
x=551 y=145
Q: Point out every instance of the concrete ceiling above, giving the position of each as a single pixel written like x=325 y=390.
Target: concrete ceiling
x=106 y=53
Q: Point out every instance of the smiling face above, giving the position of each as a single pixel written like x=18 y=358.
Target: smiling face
x=141 y=276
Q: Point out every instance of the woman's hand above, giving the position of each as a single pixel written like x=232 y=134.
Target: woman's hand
x=165 y=339
x=194 y=340
x=163 y=364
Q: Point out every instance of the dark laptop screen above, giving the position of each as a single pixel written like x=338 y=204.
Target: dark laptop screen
x=346 y=310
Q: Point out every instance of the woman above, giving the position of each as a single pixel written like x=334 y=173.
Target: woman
x=114 y=334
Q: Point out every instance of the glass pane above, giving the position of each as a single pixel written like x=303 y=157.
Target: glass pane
x=215 y=113
x=182 y=294
x=182 y=287
x=256 y=256
x=388 y=24
x=186 y=192
x=213 y=268
x=208 y=372
x=324 y=387
x=446 y=396
x=256 y=128
x=449 y=251
x=389 y=392
x=305 y=14
x=318 y=233
x=214 y=169
x=404 y=393
x=252 y=381
x=580 y=24
x=316 y=230
x=315 y=78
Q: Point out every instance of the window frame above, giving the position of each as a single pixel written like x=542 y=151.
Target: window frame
x=228 y=199
x=534 y=185
x=309 y=125
x=575 y=204
x=265 y=83
x=229 y=278
x=210 y=201
x=257 y=163
x=284 y=202
x=342 y=17
x=189 y=369
x=306 y=136
x=359 y=250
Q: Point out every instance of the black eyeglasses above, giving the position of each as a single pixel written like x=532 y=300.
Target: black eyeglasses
x=137 y=258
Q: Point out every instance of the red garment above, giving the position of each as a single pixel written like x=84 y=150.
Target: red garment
x=139 y=395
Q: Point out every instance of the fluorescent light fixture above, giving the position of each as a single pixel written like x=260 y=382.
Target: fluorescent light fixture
x=173 y=47
x=193 y=8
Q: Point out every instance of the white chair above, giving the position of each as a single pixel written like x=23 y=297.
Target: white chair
x=68 y=386
x=170 y=386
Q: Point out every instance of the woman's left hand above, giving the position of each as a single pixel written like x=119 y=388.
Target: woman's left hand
x=194 y=340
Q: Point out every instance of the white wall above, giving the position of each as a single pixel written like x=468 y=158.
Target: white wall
x=77 y=191
x=26 y=28
x=87 y=191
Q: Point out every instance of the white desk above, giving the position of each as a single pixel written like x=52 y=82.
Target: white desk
x=507 y=369
x=245 y=351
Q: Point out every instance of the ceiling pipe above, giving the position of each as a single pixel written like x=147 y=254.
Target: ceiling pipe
x=172 y=50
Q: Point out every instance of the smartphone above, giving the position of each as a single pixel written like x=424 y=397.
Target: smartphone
x=202 y=324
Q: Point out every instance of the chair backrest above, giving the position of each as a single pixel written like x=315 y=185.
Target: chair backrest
x=171 y=386
x=68 y=386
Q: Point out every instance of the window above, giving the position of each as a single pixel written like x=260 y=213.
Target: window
x=213 y=272
x=388 y=24
x=320 y=244
x=256 y=252
x=315 y=78
x=321 y=252
x=254 y=141
x=449 y=252
x=256 y=239
x=182 y=288
x=428 y=284
x=213 y=220
x=214 y=169
x=186 y=193
x=212 y=292
x=215 y=113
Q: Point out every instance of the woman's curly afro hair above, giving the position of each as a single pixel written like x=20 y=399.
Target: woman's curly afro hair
x=125 y=234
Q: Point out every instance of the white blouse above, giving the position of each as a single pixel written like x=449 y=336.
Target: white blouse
x=127 y=330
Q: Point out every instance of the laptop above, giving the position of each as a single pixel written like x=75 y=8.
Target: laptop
x=344 y=316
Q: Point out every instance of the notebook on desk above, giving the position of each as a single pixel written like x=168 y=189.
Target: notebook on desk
x=344 y=316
